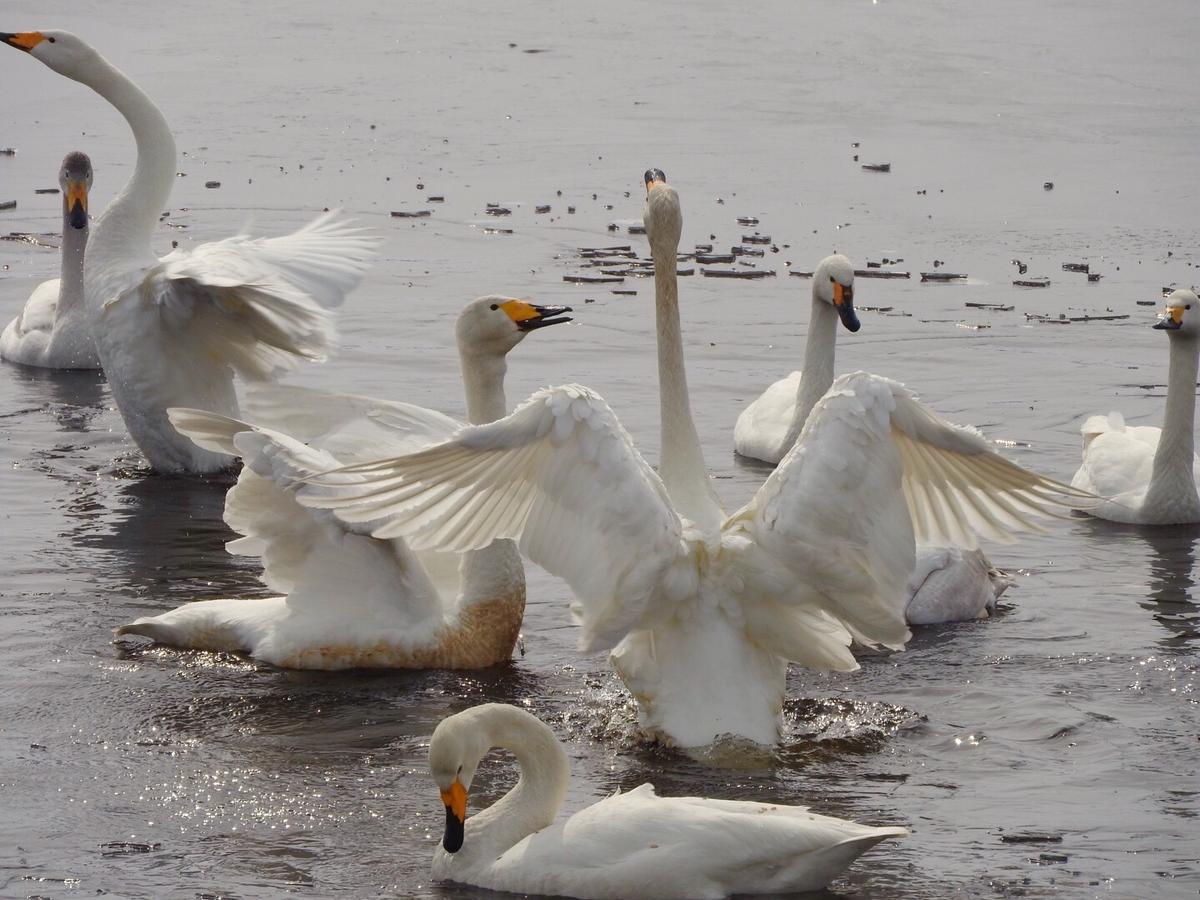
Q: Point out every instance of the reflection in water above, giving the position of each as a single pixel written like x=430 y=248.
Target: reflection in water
x=74 y=397
x=1173 y=597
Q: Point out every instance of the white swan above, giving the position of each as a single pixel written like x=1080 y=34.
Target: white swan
x=767 y=428
x=705 y=609
x=1149 y=475
x=172 y=331
x=633 y=844
x=354 y=601
x=949 y=584
x=53 y=330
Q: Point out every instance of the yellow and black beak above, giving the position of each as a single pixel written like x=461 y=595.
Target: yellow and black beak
x=22 y=40
x=843 y=299
x=455 y=798
x=1170 y=320
x=76 y=200
x=529 y=316
x=654 y=177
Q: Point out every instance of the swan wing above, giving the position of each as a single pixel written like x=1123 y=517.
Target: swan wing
x=639 y=844
x=308 y=554
x=560 y=475
x=257 y=304
x=351 y=427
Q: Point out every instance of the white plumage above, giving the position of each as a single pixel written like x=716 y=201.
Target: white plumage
x=173 y=331
x=632 y=844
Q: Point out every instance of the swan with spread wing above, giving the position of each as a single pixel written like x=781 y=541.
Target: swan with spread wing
x=173 y=331
x=352 y=600
x=703 y=610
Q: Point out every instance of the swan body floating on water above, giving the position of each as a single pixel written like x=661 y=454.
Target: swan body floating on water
x=704 y=610
x=1149 y=475
x=632 y=844
x=949 y=584
x=53 y=330
x=352 y=600
x=172 y=331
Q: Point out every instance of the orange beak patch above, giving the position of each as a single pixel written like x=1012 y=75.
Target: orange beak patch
x=24 y=40
x=520 y=311
x=77 y=192
x=455 y=799
x=839 y=293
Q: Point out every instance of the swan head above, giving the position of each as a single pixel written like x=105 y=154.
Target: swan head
x=495 y=324
x=1181 y=315
x=833 y=283
x=62 y=51
x=662 y=216
x=75 y=179
x=458 y=744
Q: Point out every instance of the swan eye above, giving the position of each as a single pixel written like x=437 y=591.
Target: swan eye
x=460 y=767
x=832 y=279
x=52 y=40
x=1189 y=306
x=494 y=306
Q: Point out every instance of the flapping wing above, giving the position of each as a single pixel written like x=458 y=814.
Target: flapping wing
x=258 y=304
x=351 y=427
x=560 y=475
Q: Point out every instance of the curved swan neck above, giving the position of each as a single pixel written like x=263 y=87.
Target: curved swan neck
x=132 y=215
x=818 y=364
x=70 y=285
x=681 y=465
x=535 y=800
x=1173 y=480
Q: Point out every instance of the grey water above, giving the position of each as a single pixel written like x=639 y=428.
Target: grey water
x=153 y=773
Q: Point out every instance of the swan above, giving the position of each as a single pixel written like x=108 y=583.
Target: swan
x=172 y=331
x=1149 y=475
x=949 y=584
x=351 y=600
x=767 y=428
x=53 y=330
x=703 y=610
x=632 y=844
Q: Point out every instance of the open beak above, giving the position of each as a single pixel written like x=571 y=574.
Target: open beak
x=654 y=178
x=530 y=316
x=843 y=299
x=455 y=798
x=23 y=40
x=1170 y=320
x=77 y=199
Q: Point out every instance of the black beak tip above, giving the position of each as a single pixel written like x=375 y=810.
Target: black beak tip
x=1166 y=325
x=78 y=217
x=452 y=840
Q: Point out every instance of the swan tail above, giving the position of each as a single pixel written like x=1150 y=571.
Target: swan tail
x=813 y=870
x=223 y=626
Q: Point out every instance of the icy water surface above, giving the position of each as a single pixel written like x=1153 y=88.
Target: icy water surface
x=161 y=774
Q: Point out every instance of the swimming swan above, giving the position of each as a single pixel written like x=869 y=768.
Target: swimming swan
x=1148 y=474
x=53 y=331
x=172 y=331
x=705 y=609
x=354 y=601
x=633 y=844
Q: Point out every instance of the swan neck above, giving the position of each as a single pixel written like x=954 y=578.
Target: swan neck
x=131 y=217
x=818 y=365
x=681 y=465
x=483 y=382
x=74 y=246
x=1173 y=460
x=534 y=802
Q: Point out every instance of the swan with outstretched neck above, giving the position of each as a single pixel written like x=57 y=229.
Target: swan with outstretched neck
x=1149 y=475
x=631 y=844
x=172 y=331
x=704 y=610
x=352 y=600
x=53 y=330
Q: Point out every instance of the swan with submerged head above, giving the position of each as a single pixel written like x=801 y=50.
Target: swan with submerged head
x=53 y=330
x=173 y=331
x=632 y=844
x=1149 y=475
x=352 y=600
x=704 y=610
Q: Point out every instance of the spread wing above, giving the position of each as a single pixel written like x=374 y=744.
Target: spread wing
x=258 y=304
x=560 y=475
